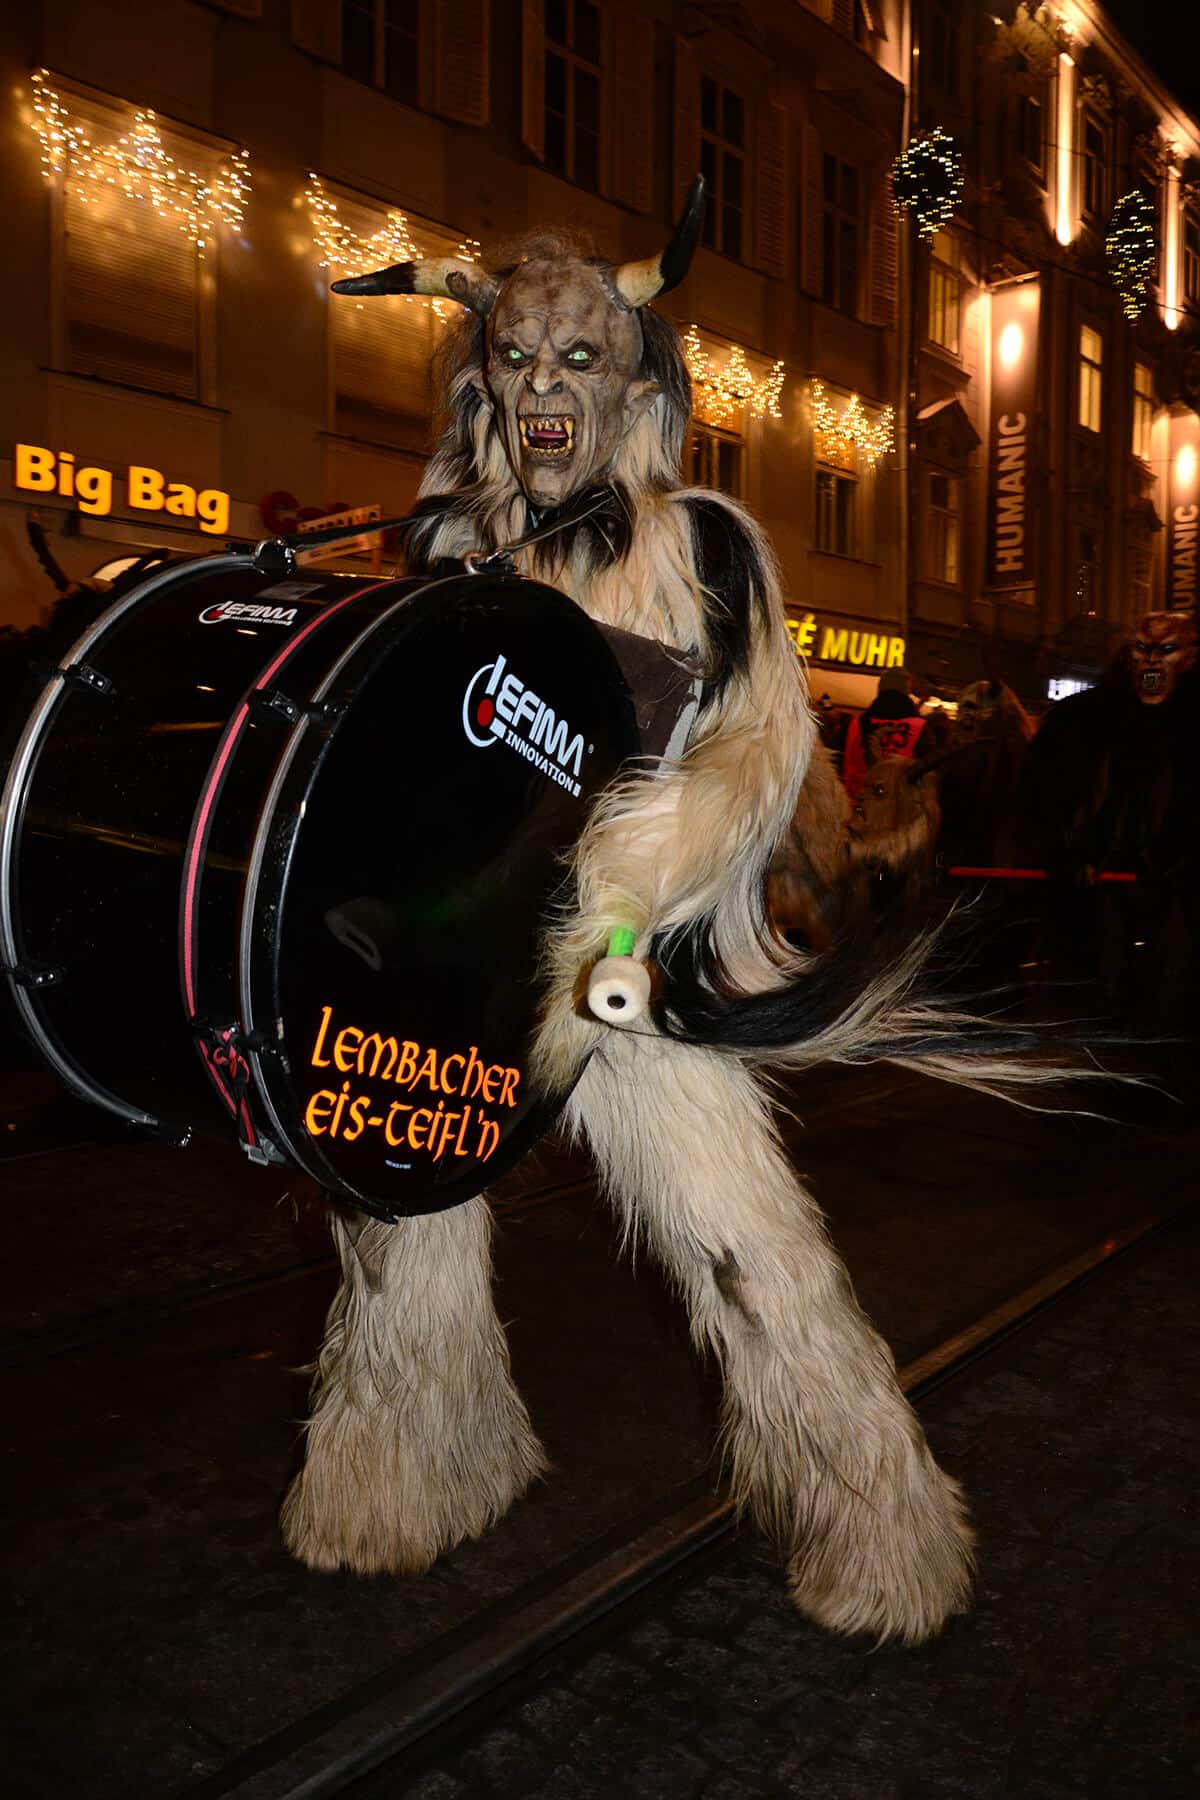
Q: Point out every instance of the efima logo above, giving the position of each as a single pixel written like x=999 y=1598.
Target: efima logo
x=502 y=710
x=242 y=613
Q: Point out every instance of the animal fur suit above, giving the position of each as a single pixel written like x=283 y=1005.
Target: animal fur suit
x=566 y=402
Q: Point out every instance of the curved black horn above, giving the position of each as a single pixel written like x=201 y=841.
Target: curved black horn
x=439 y=277
x=637 y=283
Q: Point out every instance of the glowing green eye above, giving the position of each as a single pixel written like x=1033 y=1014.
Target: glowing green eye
x=513 y=355
x=579 y=357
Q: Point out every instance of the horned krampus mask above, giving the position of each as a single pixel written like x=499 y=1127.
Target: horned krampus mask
x=563 y=349
x=1163 y=649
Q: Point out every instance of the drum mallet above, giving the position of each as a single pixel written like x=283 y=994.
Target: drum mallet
x=619 y=986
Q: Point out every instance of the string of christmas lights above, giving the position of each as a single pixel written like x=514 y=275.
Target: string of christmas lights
x=853 y=429
x=927 y=178
x=720 y=390
x=1132 y=249
x=136 y=165
x=339 y=247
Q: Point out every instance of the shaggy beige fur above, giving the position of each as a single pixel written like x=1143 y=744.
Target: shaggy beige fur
x=417 y=1438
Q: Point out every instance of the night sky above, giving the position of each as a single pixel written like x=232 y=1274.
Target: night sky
x=1168 y=38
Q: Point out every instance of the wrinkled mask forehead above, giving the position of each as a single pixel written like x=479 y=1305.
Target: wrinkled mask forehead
x=566 y=300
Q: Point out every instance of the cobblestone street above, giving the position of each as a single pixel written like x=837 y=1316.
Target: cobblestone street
x=1075 y=1675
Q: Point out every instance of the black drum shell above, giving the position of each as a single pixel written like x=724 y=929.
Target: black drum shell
x=247 y=808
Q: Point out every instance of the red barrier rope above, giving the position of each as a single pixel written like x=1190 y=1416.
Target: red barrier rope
x=1027 y=874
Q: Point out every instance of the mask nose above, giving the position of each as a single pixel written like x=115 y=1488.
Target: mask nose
x=544 y=376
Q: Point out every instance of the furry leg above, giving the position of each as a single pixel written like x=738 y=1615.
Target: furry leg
x=822 y=1445
x=418 y=1437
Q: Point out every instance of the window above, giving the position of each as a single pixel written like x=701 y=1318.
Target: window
x=1143 y=410
x=944 y=292
x=942 y=529
x=715 y=460
x=381 y=349
x=839 y=234
x=131 y=296
x=574 y=73
x=723 y=165
x=381 y=45
x=1141 y=598
x=1191 y=254
x=1087 y=575
x=1031 y=129
x=1091 y=357
x=1095 y=150
x=943 y=59
x=835 y=511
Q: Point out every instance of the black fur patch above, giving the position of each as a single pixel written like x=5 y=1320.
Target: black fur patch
x=698 y=1004
x=735 y=599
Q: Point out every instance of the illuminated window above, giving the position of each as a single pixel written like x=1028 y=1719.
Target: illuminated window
x=1143 y=410
x=134 y=308
x=381 y=41
x=723 y=165
x=1191 y=254
x=574 y=73
x=380 y=350
x=835 y=511
x=839 y=234
x=1091 y=377
x=1095 y=172
x=715 y=460
x=944 y=293
x=942 y=529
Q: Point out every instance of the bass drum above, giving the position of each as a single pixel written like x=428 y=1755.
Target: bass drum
x=276 y=856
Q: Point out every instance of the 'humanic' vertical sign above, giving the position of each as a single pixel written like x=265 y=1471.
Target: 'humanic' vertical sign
x=1010 y=538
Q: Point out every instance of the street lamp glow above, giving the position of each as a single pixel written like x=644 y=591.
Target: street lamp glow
x=1011 y=345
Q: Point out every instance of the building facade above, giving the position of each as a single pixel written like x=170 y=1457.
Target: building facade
x=184 y=180
x=1055 y=446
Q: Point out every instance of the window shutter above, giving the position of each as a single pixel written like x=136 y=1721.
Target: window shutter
x=381 y=356
x=317 y=28
x=687 y=121
x=813 y=259
x=630 y=80
x=131 y=296
x=533 y=79
x=461 y=60
x=383 y=347
x=884 y=252
x=770 y=190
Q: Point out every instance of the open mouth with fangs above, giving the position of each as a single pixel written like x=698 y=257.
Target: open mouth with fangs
x=1153 y=681
x=548 y=436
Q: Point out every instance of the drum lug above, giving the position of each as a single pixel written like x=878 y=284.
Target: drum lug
x=273 y=703
x=35 y=975
x=77 y=675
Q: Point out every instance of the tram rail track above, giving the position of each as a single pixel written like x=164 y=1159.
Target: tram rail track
x=374 y=1728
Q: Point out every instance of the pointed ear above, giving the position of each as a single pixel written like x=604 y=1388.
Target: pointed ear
x=639 y=398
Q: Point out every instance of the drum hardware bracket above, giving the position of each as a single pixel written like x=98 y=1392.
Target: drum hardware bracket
x=273 y=703
x=33 y=975
x=77 y=675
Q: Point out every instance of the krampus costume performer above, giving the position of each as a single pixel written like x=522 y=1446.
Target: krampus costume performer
x=567 y=403
x=1110 y=785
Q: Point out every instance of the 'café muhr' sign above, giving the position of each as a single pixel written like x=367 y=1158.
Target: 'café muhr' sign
x=41 y=471
x=842 y=644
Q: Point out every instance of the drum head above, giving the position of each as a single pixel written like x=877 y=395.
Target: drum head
x=400 y=895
